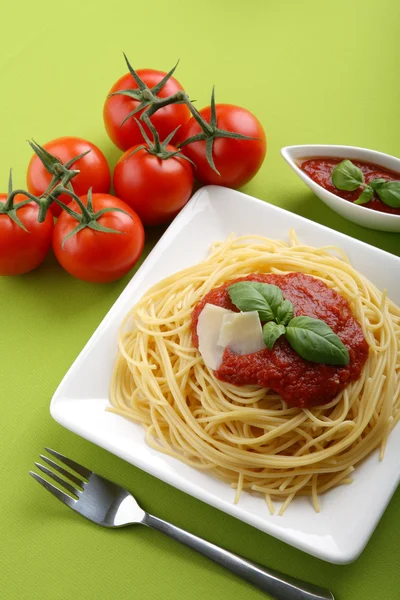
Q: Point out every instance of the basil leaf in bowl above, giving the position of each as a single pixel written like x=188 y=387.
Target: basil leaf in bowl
x=346 y=176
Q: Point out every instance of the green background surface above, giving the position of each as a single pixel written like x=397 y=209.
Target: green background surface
x=313 y=72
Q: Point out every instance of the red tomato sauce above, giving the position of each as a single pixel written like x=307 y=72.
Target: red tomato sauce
x=320 y=170
x=298 y=381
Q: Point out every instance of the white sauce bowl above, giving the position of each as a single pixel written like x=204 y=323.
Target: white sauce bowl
x=361 y=215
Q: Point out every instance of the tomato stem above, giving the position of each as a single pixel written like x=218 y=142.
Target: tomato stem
x=87 y=218
x=9 y=204
x=10 y=209
x=150 y=103
x=62 y=174
x=206 y=127
x=156 y=147
x=178 y=98
x=210 y=131
x=86 y=215
x=60 y=183
x=52 y=192
x=52 y=164
x=147 y=97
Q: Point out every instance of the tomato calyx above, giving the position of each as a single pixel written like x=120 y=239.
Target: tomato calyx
x=156 y=147
x=9 y=208
x=148 y=97
x=210 y=131
x=53 y=165
x=89 y=218
x=62 y=174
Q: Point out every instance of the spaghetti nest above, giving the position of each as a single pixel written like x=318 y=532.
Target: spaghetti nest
x=246 y=436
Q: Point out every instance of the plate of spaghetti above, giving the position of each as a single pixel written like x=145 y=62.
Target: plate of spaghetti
x=253 y=361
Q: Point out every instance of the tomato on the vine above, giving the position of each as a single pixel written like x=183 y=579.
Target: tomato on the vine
x=94 y=255
x=22 y=250
x=93 y=167
x=155 y=188
x=237 y=160
x=118 y=107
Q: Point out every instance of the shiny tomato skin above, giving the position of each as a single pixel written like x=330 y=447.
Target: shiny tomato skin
x=116 y=108
x=21 y=251
x=94 y=169
x=236 y=160
x=96 y=256
x=156 y=189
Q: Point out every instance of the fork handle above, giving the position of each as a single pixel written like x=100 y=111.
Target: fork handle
x=277 y=585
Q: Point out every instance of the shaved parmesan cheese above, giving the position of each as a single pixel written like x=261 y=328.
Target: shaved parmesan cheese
x=208 y=331
x=219 y=328
x=242 y=332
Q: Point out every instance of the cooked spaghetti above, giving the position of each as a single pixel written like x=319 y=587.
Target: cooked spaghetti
x=248 y=436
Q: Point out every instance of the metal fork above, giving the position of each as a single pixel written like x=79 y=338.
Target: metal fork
x=110 y=505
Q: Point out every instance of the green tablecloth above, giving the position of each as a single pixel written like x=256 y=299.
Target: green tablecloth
x=313 y=72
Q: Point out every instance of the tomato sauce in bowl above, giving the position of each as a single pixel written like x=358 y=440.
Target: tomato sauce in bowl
x=319 y=169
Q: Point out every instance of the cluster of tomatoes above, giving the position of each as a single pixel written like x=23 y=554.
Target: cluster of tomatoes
x=167 y=145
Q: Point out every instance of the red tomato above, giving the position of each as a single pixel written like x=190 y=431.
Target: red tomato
x=116 y=108
x=94 y=170
x=22 y=251
x=236 y=160
x=156 y=189
x=97 y=256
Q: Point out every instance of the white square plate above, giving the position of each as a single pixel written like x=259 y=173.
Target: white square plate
x=348 y=514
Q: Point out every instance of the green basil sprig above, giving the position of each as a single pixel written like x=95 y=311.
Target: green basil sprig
x=271 y=332
x=265 y=299
x=376 y=183
x=314 y=340
x=311 y=338
x=365 y=196
x=285 y=312
x=389 y=193
x=346 y=176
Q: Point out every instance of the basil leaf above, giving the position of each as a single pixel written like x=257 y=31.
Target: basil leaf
x=271 y=332
x=365 y=196
x=285 y=312
x=246 y=297
x=389 y=193
x=314 y=340
x=346 y=176
x=376 y=183
x=272 y=293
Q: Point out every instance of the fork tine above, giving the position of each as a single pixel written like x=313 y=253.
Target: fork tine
x=58 y=479
x=66 y=474
x=70 y=463
x=55 y=491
